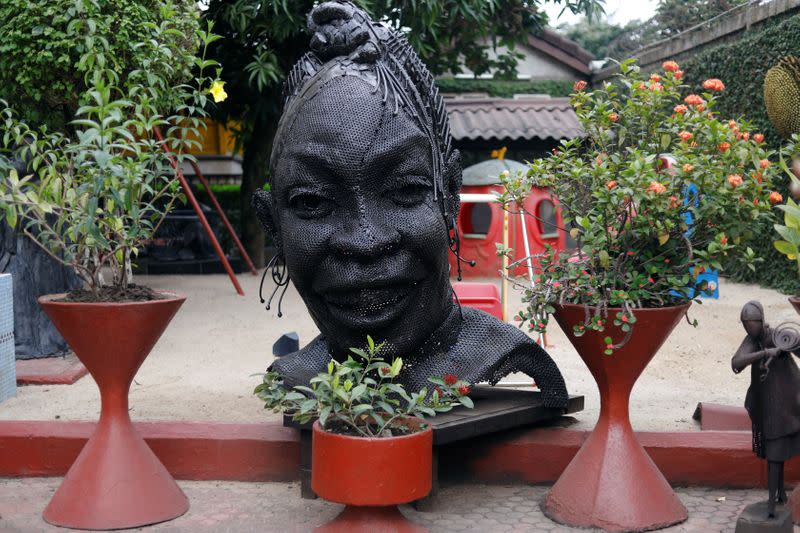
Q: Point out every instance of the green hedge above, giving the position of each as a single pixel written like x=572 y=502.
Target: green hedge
x=505 y=89
x=742 y=65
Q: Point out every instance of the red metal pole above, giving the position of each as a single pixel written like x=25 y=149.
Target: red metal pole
x=201 y=216
x=224 y=218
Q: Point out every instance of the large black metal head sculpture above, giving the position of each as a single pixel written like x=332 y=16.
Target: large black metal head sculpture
x=362 y=204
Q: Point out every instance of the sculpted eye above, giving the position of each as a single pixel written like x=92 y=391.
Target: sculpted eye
x=410 y=194
x=309 y=205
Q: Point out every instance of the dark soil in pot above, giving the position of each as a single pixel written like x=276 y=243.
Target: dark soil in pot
x=113 y=294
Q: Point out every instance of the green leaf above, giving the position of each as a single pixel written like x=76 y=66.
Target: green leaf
x=397 y=365
x=362 y=408
x=358 y=392
x=666 y=139
x=308 y=405
x=787 y=249
x=324 y=413
x=466 y=401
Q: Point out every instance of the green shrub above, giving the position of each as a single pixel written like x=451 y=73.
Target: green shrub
x=505 y=89
x=742 y=65
x=45 y=45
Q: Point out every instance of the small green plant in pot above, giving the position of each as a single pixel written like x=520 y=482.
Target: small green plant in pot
x=358 y=396
x=658 y=191
x=91 y=198
x=367 y=425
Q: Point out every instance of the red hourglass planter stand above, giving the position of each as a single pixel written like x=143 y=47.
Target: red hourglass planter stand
x=612 y=483
x=117 y=481
x=371 y=476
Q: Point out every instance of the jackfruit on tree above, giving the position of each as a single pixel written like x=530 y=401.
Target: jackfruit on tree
x=782 y=96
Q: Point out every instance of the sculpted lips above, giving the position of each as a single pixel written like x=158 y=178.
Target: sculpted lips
x=369 y=306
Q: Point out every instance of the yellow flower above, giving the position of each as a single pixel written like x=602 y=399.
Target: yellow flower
x=217 y=90
x=499 y=154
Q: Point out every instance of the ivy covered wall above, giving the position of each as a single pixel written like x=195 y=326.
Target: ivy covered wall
x=742 y=65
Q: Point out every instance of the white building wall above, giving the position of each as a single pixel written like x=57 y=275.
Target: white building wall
x=535 y=65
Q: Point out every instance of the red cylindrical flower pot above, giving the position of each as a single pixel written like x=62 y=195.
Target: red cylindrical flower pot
x=612 y=483
x=117 y=481
x=371 y=476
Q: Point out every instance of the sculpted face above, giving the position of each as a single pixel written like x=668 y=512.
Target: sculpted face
x=754 y=328
x=364 y=240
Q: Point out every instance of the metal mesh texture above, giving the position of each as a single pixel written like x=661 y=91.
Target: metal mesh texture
x=364 y=191
x=8 y=372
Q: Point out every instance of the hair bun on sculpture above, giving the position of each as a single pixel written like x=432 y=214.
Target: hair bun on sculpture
x=341 y=29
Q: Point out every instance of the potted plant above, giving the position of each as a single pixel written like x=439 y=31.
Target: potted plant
x=658 y=191
x=91 y=200
x=371 y=450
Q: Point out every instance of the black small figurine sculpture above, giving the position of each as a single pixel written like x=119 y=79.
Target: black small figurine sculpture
x=363 y=199
x=773 y=398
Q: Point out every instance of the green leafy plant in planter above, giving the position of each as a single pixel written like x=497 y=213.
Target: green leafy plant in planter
x=91 y=200
x=367 y=424
x=658 y=191
x=359 y=397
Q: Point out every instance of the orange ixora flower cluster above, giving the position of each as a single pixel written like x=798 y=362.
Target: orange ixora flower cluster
x=694 y=100
x=670 y=66
x=714 y=85
x=735 y=180
x=579 y=86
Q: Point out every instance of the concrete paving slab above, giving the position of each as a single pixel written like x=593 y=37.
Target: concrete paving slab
x=276 y=507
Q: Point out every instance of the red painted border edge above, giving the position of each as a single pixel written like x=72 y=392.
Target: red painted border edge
x=189 y=450
x=270 y=452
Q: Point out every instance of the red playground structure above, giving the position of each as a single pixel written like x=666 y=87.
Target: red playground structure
x=481 y=223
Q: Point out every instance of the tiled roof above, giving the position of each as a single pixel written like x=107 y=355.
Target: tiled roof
x=562 y=49
x=512 y=119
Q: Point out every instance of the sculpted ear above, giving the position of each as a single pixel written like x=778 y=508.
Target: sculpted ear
x=452 y=180
x=264 y=207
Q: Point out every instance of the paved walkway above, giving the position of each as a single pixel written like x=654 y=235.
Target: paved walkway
x=277 y=507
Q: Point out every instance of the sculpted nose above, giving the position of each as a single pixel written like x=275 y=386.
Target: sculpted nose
x=366 y=237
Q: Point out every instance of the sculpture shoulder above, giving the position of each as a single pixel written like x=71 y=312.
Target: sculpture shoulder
x=482 y=329
x=488 y=350
x=299 y=367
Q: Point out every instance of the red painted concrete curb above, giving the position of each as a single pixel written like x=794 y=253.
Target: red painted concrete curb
x=270 y=452
x=718 y=417
x=50 y=371
x=706 y=458
x=189 y=450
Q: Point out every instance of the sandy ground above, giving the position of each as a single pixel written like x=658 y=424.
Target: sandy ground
x=202 y=367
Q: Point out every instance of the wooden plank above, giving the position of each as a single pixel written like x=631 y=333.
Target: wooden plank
x=496 y=409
